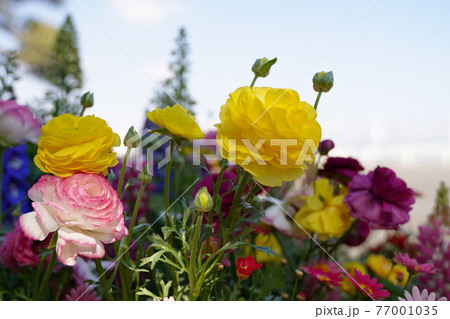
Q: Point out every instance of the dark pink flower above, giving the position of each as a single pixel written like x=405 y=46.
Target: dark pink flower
x=325 y=275
x=413 y=265
x=342 y=169
x=369 y=286
x=380 y=198
x=17 y=250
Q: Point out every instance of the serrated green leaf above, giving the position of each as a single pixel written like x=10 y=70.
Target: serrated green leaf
x=153 y=259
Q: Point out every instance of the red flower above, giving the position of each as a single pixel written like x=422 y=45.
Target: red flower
x=325 y=274
x=245 y=266
x=413 y=265
x=370 y=287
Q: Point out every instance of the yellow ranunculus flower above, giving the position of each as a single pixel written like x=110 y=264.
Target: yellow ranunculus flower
x=324 y=213
x=177 y=120
x=350 y=267
x=268 y=132
x=71 y=144
x=379 y=264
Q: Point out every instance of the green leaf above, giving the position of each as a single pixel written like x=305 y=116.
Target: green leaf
x=53 y=240
x=153 y=259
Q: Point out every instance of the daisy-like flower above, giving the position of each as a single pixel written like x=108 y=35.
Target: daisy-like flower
x=82 y=293
x=416 y=295
x=413 y=265
x=325 y=273
x=369 y=286
x=245 y=267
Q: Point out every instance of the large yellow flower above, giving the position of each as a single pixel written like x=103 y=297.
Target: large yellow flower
x=324 y=213
x=177 y=120
x=268 y=132
x=71 y=144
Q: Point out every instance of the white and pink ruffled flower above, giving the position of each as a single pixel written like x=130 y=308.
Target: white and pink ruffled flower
x=17 y=124
x=85 y=211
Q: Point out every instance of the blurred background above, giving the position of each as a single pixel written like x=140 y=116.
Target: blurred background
x=389 y=105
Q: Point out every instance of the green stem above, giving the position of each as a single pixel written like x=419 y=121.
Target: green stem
x=48 y=273
x=294 y=292
x=101 y=276
x=237 y=196
x=317 y=99
x=193 y=260
x=135 y=213
x=2 y=151
x=167 y=183
x=82 y=111
x=38 y=277
x=235 y=289
x=253 y=81
x=167 y=214
x=122 y=171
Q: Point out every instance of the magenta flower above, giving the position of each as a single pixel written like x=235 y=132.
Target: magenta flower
x=85 y=211
x=17 y=124
x=369 y=286
x=326 y=273
x=413 y=265
x=342 y=169
x=380 y=198
x=325 y=146
x=18 y=251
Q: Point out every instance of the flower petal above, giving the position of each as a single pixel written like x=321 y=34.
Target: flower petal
x=32 y=227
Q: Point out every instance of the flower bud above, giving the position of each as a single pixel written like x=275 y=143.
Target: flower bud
x=132 y=138
x=284 y=261
x=203 y=201
x=285 y=295
x=220 y=266
x=301 y=296
x=298 y=273
x=261 y=67
x=325 y=146
x=323 y=81
x=87 y=100
x=144 y=176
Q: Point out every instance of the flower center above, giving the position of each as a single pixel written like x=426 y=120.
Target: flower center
x=367 y=289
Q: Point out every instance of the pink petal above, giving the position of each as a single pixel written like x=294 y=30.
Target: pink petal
x=45 y=217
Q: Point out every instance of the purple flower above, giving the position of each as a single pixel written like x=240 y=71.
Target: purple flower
x=325 y=146
x=342 y=169
x=380 y=198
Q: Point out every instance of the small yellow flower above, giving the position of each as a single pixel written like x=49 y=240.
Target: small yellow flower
x=177 y=120
x=324 y=213
x=379 y=264
x=350 y=267
x=71 y=144
x=268 y=132
x=398 y=275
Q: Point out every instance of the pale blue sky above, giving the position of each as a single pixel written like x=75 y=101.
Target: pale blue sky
x=391 y=68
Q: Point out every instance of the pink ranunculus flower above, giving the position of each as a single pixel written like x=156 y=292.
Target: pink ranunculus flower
x=18 y=251
x=85 y=211
x=17 y=124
